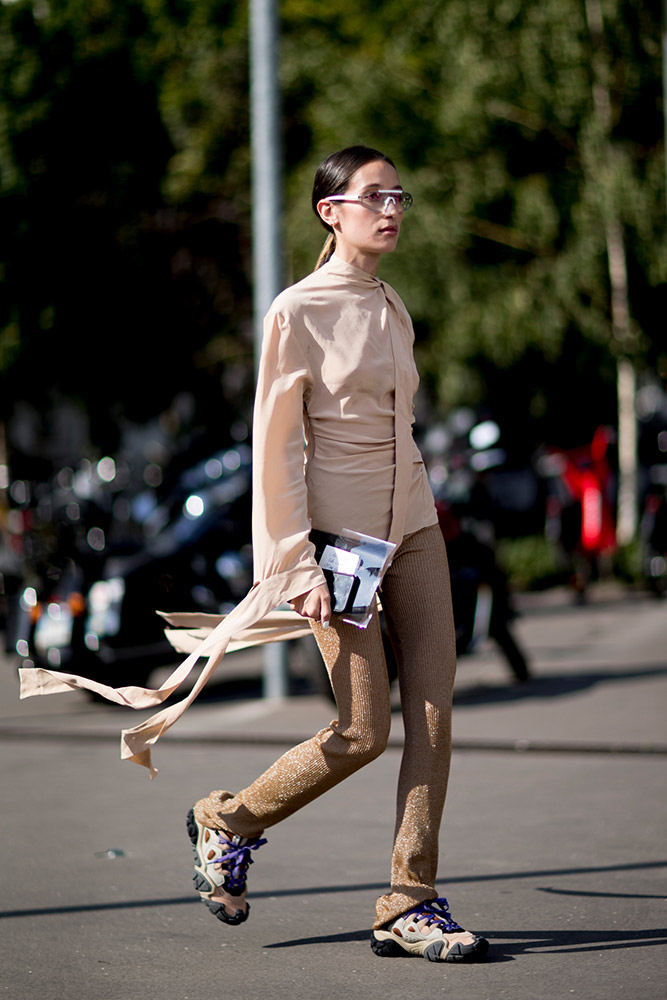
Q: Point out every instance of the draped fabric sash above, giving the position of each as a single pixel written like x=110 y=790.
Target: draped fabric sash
x=252 y=622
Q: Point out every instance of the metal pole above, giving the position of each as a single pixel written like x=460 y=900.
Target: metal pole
x=664 y=82
x=266 y=161
x=266 y=224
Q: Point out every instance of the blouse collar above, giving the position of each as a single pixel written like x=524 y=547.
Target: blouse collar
x=335 y=265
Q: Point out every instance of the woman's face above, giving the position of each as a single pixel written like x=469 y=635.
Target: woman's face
x=362 y=234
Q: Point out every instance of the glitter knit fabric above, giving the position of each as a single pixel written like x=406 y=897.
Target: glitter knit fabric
x=417 y=606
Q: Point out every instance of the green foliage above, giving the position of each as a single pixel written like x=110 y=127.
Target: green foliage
x=124 y=245
x=628 y=563
x=125 y=178
x=529 y=562
x=488 y=109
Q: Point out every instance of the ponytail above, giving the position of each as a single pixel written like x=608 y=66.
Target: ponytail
x=327 y=251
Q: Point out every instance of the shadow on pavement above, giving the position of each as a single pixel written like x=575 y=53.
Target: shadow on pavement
x=554 y=685
x=602 y=895
x=524 y=942
x=134 y=904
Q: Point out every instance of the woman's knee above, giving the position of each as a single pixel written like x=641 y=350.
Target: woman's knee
x=355 y=747
x=370 y=746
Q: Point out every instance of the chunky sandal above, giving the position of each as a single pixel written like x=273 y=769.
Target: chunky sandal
x=221 y=863
x=428 y=931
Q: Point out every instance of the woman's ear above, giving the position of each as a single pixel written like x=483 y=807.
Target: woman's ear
x=327 y=212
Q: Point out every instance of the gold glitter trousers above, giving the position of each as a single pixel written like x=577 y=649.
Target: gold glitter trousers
x=417 y=606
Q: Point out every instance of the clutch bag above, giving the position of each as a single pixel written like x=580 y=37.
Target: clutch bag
x=353 y=565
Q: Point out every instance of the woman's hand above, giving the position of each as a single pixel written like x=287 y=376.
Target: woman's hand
x=315 y=604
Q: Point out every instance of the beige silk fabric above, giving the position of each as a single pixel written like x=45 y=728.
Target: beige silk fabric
x=337 y=361
x=337 y=371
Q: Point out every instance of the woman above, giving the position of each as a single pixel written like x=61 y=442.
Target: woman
x=337 y=370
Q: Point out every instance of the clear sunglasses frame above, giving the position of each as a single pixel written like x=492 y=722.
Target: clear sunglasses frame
x=377 y=201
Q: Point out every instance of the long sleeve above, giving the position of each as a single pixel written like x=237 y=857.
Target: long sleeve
x=281 y=523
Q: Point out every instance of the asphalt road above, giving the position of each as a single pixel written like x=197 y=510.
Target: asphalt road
x=553 y=843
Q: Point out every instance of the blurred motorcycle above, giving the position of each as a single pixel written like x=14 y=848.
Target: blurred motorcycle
x=89 y=607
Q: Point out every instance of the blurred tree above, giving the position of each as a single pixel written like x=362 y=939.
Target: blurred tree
x=124 y=166
x=125 y=241
x=488 y=109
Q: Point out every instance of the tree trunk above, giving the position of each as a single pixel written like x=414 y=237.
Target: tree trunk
x=626 y=520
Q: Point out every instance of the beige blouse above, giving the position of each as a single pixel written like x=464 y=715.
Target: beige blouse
x=338 y=374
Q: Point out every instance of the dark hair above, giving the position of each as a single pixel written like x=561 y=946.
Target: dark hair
x=333 y=177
